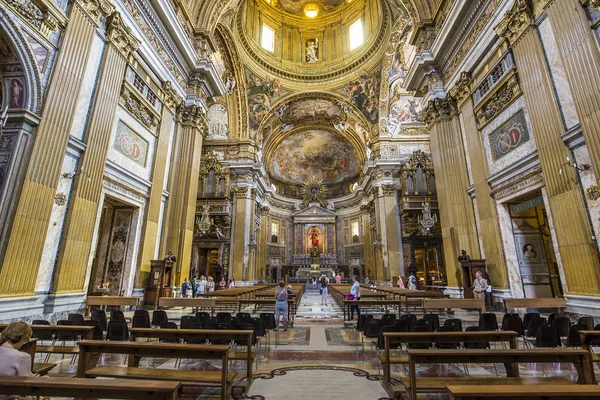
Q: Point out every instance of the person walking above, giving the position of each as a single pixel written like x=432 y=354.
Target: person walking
x=281 y=305
x=401 y=283
x=314 y=282
x=355 y=291
x=201 y=287
x=324 y=282
x=412 y=281
x=479 y=286
x=185 y=286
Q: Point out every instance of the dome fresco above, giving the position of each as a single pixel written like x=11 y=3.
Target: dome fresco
x=313 y=153
x=296 y=6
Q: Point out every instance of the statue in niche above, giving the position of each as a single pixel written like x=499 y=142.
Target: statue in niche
x=230 y=83
x=529 y=252
x=298 y=205
x=312 y=51
x=330 y=206
x=217 y=228
x=16 y=94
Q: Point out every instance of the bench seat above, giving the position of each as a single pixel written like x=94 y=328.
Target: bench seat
x=438 y=384
x=57 y=349
x=524 y=392
x=240 y=355
x=398 y=359
x=184 y=376
x=42 y=368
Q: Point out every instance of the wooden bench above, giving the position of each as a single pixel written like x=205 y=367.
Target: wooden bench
x=510 y=358
x=555 y=302
x=530 y=392
x=192 y=302
x=368 y=303
x=203 y=335
x=393 y=339
x=117 y=301
x=452 y=304
x=90 y=351
x=30 y=347
x=271 y=301
x=87 y=388
x=590 y=339
x=84 y=332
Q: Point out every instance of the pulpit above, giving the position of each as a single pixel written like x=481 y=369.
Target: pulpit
x=469 y=268
x=159 y=281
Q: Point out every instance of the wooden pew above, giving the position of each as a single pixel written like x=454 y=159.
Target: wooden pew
x=105 y=301
x=84 y=332
x=396 y=339
x=556 y=302
x=452 y=304
x=41 y=369
x=530 y=392
x=87 y=388
x=90 y=351
x=588 y=340
x=368 y=303
x=262 y=302
x=193 y=302
x=203 y=335
x=510 y=358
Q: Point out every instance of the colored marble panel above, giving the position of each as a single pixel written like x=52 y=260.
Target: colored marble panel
x=509 y=136
x=130 y=144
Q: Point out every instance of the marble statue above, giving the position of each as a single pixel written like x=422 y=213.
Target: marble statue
x=312 y=49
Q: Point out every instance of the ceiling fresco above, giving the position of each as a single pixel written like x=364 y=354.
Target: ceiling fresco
x=364 y=94
x=312 y=110
x=296 y=6
x=313 y=153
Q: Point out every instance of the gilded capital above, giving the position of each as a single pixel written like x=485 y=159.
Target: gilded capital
x=192 y=115
x=591 y=3
x=172 y=99
x=120 y=36
x=516 y=22
x=439 y=109
x=95 y=9
x=462 y=89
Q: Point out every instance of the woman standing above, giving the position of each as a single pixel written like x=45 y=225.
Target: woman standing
x=12 y=361
x=324 y=282
x=210 y=285
x=281 y=305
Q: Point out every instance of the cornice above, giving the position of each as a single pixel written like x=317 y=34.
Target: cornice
x=120 y=36
x=516 y=22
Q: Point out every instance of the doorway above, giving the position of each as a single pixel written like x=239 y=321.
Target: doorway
x=114 y=252
x=533 y=243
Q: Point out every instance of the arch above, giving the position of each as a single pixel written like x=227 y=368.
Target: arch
x=18 y=43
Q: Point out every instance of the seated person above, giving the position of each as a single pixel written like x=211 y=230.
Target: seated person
x=12 y=361
x=289 y=289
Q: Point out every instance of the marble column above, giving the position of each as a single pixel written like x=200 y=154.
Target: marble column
x=578 y=47
x=389 y=224
x=457 y=216
x=486 y=207
x=150 y=239
x=83 y=209
x=263 y=234
x=243 y=211
x=367 y=238
x=32 y=216
x=565 y=202
x=183 y=186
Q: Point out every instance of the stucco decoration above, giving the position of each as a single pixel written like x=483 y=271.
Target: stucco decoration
x=313 y=153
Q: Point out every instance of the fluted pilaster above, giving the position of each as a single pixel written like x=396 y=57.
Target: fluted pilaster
x=243 y=228
x=150 y=237
x=580 y=54
x=486 y=207
x=32 y=217
x=457 y=217
x=79 y=225
x=573 y=232
x=183 y=185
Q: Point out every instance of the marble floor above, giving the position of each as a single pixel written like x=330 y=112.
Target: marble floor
x=319 y=358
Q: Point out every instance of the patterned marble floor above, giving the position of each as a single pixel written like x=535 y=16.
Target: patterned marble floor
x=318 y=358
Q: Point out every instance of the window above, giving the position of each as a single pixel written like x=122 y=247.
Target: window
x=268 y=38
x=274 y=232
x=355 y=232
x=356 y=34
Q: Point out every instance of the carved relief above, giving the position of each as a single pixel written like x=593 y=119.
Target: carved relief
x=503 y=95
x=462 y=89
x=120 y=35
x=171 y=99
x=96 y=9
x=439 y=109
x=515 y=22
x=137 y=109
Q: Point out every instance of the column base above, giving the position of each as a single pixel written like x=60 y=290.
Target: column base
x=64 y=302
x=581 y=305
x=454 y=292
x=21 y=307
